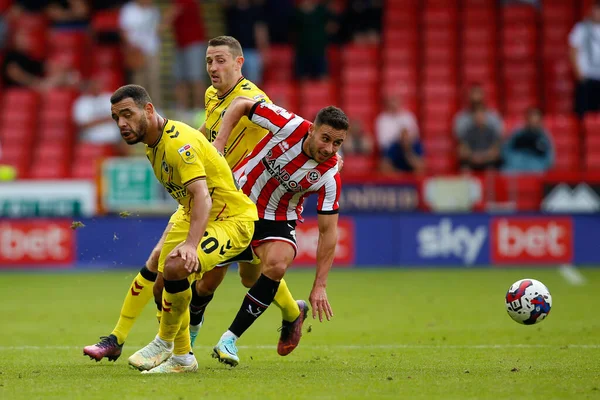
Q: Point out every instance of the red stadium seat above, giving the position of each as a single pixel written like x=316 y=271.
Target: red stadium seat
x=400 y=74
x=400 y=36
x=479 y=16
x=358 y=165
x=105 y=21
x=106 y=57
x=519 y=14
x=479 y=36
x=559 y=12
x=440 y=163
x=20 y=99
x=591 y=124
x=440 y=54
x=44 y=170
x=357 y=55
x=400 y=56
x=280 y=66
x=560 y=126
x=51 y=152
x=110 y=79
x=440 y=16
x=65 y=40
x=90 y=151
x=85 y=170
x=283 y=94
x=51 y=133
x=59 y=99
x=360 y=75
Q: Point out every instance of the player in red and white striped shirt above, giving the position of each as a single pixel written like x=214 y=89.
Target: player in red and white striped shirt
x=295 y=159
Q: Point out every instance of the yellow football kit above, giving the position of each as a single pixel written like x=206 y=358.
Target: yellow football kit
x=246 y=135
x=182 y=156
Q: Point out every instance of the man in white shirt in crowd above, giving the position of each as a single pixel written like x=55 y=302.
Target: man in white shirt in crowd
x=140 y=21
x=394 y=122
x=91 y=113
x=584 y=42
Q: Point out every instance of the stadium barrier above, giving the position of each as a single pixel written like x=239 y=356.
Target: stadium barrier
x=384 y=239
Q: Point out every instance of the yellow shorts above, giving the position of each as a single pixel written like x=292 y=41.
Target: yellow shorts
x=178 y=214
x=222 y=241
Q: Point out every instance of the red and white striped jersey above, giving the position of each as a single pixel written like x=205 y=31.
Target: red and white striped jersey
x=278 y=175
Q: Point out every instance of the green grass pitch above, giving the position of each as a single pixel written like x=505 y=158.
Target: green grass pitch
x=396 y=333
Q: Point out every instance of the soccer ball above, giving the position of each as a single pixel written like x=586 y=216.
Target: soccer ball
x=528 y=301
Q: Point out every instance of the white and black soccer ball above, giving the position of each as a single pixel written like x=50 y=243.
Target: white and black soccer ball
x=528 y=301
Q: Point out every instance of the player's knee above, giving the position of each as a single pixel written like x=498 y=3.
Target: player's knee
x=175 y=269
x=274 y=268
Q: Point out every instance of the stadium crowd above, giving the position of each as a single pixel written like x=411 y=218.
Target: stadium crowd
x=399 y=68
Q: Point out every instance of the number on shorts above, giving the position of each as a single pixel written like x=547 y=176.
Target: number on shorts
x=209 y=245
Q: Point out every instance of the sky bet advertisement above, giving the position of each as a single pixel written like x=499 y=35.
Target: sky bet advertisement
x=419 y=240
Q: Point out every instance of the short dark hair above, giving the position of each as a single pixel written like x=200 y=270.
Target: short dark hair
x=136 y=92
x=234 y=45
x=333 y=117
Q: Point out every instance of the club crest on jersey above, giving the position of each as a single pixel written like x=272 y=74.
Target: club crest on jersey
x=284 y=146
x=223 y=113
x=187 y=153
x=165 y=166
x=313 y=176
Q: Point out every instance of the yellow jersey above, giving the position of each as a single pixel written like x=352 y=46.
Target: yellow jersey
x=182 y=156
x=246 y=135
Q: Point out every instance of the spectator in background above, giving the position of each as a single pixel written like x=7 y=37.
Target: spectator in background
x=139 y=22
x=279 y=14
x=529 y=149
x=68 y=13
x=91 y=114
x=245 y=23
x=363 y=21
x=185 y=17
x=405 y=154
x=394 y=122
x=584 y=41
x=464 y=120
x=19 y=67
x=358 y=141
x=311 y=27
x=479 y=147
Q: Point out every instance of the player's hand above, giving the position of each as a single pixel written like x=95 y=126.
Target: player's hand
x=188 y=254
x=319 y=303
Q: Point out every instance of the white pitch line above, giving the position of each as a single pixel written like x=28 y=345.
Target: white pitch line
x=572 y=274
x=357 y=347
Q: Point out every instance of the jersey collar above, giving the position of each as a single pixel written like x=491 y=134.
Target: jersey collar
x=232 y=89
x=161 y=134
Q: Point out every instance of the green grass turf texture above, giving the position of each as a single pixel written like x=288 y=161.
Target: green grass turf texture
x=396 y=333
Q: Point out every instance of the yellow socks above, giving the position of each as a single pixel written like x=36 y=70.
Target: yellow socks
x=182 y=339
x=138 y=295
x=175 y=309
x=284 y=300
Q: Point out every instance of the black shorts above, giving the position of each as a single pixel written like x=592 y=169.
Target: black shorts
x=274 y=231
x=267 y=231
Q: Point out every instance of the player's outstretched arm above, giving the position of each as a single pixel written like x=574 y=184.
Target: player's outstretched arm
x=239 y=107
x=325 y=254
x=200 y=210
